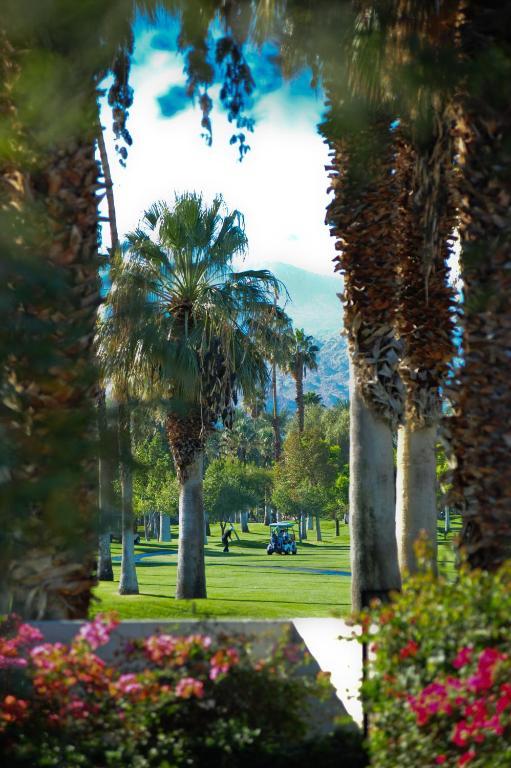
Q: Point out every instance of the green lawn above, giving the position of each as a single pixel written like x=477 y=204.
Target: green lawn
x=246 y=582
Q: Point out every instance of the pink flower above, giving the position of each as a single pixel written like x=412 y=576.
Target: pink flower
x=188 y=687
x=222 y=661
x=12 y=662
x=440 y=759
x=203 y=641
x=97 y=632
x=43 y=655
x=489 y=657
x=160 y=647
x=481 y=681
x=463 y=658
x=128 y=684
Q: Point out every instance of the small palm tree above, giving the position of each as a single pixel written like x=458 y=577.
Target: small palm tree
x=303 y=354
x=179 y=325
x=273 y=331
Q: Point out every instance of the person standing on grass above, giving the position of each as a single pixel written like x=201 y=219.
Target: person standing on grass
x=225 y=539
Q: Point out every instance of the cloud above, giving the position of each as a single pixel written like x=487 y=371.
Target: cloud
x=280 y=186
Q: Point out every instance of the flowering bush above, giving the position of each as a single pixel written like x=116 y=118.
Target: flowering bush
x=169 y=701
x=439 y=688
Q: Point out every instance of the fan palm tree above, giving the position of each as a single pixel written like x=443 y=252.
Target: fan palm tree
x=50 y=293
x=362 y=216
x=273 y=331
x=179 y=326
x=106 y=463
x=303 y=354
x=424 y=322
x=128 y=582
x=479 y=430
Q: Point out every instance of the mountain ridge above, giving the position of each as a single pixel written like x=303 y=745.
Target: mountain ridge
x=315 y=306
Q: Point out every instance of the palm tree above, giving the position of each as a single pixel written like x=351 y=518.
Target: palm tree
x=106 y=489
x=179 y=325
x=424 y=322
x=50 y=295
x=362 y=218
x=303 y=354
x=49 y=182
x=128 y=582
x=106 y=464
x=479 y=430
x=312 y=398
x=273 y=332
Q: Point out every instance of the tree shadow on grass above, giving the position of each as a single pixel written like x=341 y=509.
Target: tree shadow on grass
x=243 y=601
x=153 y=564
x=282 y=602
x=236 y=550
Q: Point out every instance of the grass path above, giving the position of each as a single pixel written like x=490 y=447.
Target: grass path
x=246 y=582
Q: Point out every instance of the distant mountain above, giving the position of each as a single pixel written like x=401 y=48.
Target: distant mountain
x=314 y=303
x=315 y=307
x=331 y=380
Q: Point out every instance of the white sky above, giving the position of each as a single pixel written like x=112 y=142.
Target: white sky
x=280 y=186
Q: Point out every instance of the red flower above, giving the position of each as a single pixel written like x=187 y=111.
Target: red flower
x=463 y=658
x=461 y=734
x=467 y=757
x=410 y=649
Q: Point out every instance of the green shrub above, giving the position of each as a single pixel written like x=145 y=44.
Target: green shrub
x=166 y=702
x=439 y=685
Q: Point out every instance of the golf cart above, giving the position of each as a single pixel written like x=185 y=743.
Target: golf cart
x=282 y=539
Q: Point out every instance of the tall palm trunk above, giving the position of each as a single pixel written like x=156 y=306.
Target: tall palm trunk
x=319 y=537
x=424 y=320
x=373 y=546
x=106 y=468
x=109 y=188
x=303 y=525
x=276 y=419
x=362 y=217
x=244 y=521
x=191 y=570
x=186 y=440
x=479 y=431
x=164 y=527
x=128 y=582
x=106 y=492
x=50 y=294
x=416 y=511
x=300 y=408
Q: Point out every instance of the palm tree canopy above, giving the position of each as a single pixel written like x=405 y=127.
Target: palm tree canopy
x=179 y=319
x=303 y=353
